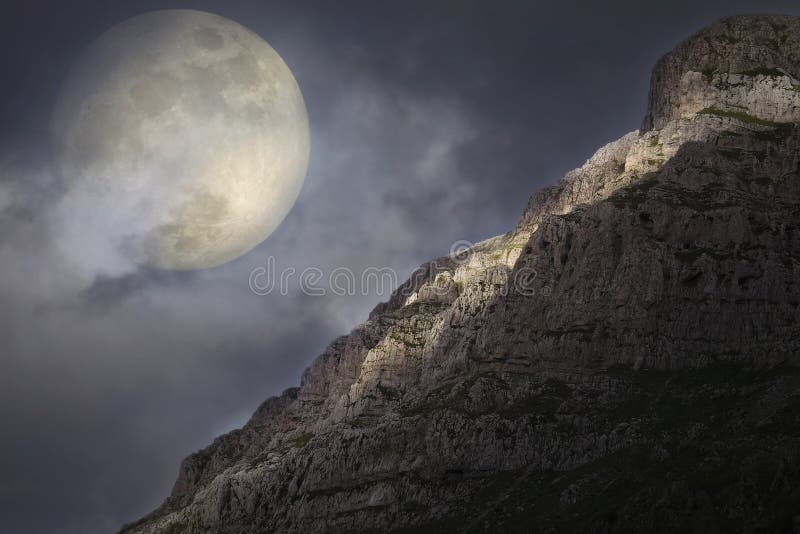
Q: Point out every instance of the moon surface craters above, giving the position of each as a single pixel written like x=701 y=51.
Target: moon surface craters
x=190 y=131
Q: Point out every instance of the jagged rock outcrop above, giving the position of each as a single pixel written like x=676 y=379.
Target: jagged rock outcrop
x=739 y=62
x=626 y=358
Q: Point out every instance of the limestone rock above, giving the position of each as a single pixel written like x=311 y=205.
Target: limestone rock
x=738 y=60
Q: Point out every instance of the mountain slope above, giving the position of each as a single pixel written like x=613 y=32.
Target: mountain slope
x=624 y=359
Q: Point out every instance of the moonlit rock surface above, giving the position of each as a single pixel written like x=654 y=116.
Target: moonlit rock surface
x=188 y=132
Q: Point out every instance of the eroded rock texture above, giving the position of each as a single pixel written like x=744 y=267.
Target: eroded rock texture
x=625 y=359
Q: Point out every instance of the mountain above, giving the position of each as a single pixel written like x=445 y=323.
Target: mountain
x=625 y=359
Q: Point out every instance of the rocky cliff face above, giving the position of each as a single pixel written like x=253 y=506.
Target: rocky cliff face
x=626 y=358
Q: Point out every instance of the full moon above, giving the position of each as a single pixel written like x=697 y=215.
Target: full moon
x=186 y=131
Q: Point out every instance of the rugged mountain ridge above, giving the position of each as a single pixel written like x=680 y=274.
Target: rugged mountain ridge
x=624 y=359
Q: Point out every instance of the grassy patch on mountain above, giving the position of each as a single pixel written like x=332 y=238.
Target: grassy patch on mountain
x=741 y=116
x=764 y=71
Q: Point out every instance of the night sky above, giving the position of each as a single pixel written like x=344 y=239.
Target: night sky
x=430 y=123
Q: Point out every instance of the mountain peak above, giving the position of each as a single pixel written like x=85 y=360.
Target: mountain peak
x=737 y=62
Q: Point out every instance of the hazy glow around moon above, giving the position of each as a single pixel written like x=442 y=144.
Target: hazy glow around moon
x=188 y=131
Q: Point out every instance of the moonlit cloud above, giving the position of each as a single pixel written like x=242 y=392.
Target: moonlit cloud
x=153 y=363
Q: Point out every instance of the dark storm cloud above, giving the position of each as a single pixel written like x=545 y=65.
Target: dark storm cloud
x=108 y=291
x=431 y=122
